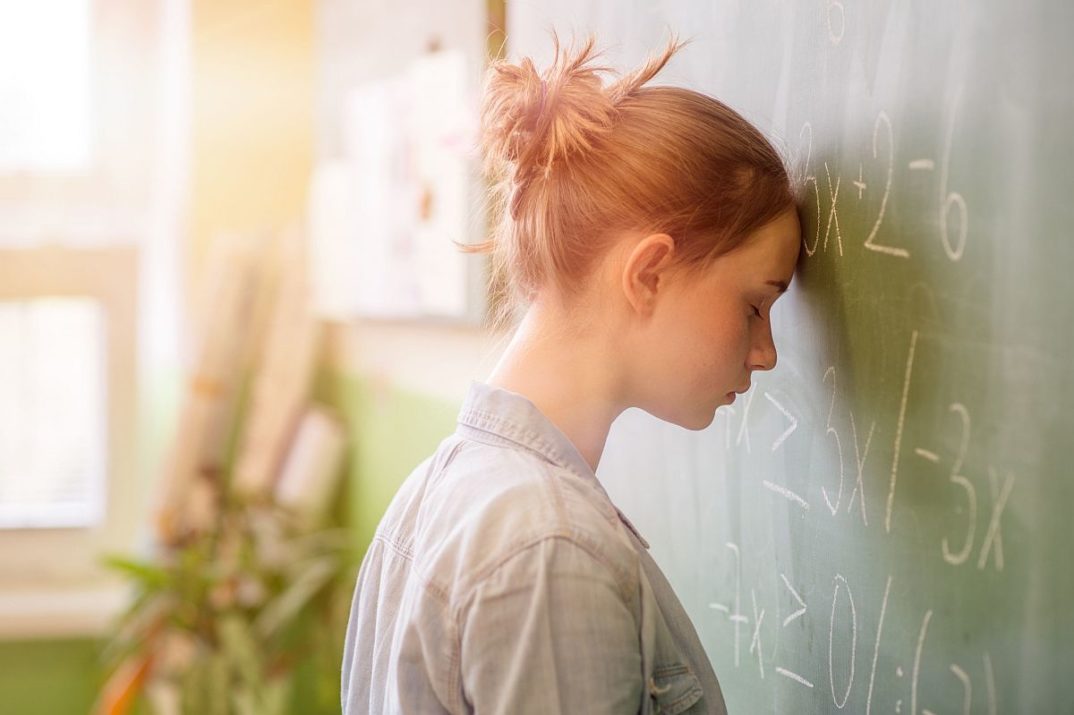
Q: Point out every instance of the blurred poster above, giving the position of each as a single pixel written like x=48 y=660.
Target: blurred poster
x=384 y=216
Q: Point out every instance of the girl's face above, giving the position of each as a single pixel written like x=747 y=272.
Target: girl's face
x=709 y=333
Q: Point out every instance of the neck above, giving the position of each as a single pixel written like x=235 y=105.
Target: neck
x=569 y=377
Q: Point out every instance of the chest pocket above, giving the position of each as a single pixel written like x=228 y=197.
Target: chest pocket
x=673 y=689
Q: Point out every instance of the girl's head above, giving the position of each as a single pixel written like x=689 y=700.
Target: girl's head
x=657 y=213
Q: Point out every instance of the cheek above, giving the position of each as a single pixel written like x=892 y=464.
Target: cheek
x=723 y=348
x=731 y=344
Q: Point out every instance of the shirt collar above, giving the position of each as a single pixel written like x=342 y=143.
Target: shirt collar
x=507 y=416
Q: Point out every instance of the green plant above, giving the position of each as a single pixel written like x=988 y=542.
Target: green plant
x=222 y=619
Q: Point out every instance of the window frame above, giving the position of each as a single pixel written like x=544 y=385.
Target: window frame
x=51 y=577
x=111 y=196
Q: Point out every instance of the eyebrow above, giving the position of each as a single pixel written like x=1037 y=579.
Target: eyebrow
x=778 y=284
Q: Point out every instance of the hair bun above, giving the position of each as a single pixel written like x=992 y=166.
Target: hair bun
x=531 y=120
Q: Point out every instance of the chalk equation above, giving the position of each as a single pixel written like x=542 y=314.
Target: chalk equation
x=971 y=538
x=843 y=616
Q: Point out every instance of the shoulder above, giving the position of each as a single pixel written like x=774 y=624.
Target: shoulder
x=493 y=506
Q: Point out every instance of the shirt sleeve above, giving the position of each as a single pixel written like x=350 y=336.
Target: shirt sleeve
x=549 y=631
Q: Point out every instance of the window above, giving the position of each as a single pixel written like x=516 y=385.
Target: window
x=45 y=86
x=93 y=168
x=53 y=426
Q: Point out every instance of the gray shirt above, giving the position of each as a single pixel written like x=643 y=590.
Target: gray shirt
x=502 y=579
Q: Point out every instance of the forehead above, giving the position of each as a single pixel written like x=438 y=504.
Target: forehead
x=771 y=249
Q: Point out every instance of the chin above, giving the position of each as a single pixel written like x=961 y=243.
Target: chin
x=696 y=421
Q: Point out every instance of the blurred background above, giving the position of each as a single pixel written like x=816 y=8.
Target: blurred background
x=232 y=320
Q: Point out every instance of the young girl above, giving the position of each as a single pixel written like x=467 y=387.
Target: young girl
x=646 y=232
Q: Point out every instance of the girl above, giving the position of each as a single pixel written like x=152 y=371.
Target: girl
x=646 y=232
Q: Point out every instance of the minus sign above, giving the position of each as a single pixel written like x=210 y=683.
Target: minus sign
x=924 y=164
x=931 y=456
x=719 y=607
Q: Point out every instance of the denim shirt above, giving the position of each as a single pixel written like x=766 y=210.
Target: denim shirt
x=502 y=579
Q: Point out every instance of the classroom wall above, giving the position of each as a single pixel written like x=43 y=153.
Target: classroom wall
x=252 y=82
x=399 y=384
x=399 y=388
x=48 y=677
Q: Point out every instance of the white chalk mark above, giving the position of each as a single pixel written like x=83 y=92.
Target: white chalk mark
x=784 y=491
x=926 y=454
x=859 y=459
x=798 y=598
x=853 y=641
x=955 y=199
x=876 y=646
x=737 y=616
x=957 y=558
x=740 y=618
x=787 y=432
x=917 y=661
x=859 y=183
x=727 y=433
x=833 y=216
x=967 y=486
x=898 y=429
x=869 y=240
x=833 y=508
x=834 y=36
x=831 y=403
x=922 y=165
x=811 y=178
x=744 y=428
x=794 y=676
x=756 y=640
x=967 y=688
x=964 y=440
x=721 y=607
x=952 y=198
x=990 y=683
x=992 y=536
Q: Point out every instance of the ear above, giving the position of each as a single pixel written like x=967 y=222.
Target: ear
x=645 y=271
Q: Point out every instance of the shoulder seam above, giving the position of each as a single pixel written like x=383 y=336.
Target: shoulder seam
x=564 y=535
x=394 y=545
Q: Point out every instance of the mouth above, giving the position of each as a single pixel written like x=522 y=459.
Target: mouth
x=731 y=395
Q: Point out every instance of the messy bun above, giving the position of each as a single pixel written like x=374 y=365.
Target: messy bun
x=572 y=161
x=530 y=121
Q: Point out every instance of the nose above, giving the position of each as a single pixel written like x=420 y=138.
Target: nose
x=763 y=354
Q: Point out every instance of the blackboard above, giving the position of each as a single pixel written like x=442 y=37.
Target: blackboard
x=883 y=524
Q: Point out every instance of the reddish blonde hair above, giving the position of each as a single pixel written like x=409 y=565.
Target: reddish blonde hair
x=574 y=163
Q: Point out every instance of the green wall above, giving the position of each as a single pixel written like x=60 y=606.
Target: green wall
x=391 y=431
x=48 y=677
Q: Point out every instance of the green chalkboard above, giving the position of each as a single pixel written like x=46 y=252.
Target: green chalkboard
x=883 y=524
